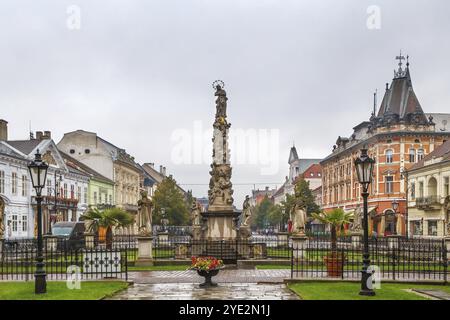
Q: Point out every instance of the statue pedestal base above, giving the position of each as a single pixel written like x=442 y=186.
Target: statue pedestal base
x=299 y=242
x=163 y=237
x=447 y=244
x=220 y=225
x=50 y=242
x=357 y=240
x=89 y=240
x=145 y=251
x=196 y=232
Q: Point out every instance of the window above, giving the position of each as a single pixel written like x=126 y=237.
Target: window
x=49 y=187
x=420 y=154
x=389 y=141
x=95 y=197
x=417 y=228
x=417 y=141
x=14 y=223
x=85 y=195
x=72 y=151
x=2 y=181
x=24 y=223
x=432 y=228
x=72 y=191
x=65 y=190
x=446 y=187
x=87 y=151
x=413 y=190
x=24 y=186
x=14 y=183
x=110 y=199
x=389 y=184
x=412 y=155
x=79 y=193
x=421 y=189
x=389 y=156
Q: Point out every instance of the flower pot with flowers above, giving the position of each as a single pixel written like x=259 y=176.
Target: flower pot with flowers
x=207 y=267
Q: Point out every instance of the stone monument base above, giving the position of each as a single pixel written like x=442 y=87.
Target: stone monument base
x=299 y=245
x=221 y=225
x=145 y=251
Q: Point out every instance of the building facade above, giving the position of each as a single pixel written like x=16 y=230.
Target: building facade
x=63 y=198
x=429 y=195
x=109 y=161
x=297 y=167
x=397 y=137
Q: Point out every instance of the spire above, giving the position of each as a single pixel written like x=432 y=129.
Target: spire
x=400 y=73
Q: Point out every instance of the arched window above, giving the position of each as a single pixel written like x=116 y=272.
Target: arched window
x=420 y=154
x=389 y=156
x=412 y=155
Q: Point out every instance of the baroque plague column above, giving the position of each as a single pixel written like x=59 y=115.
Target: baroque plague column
x=221 y=218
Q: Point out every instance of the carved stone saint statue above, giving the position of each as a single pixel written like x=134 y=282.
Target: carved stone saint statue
x=298 y=218
x=357 y=221
x=2 y=216
x=195 y=213
x=247 y=212
x=145 y=214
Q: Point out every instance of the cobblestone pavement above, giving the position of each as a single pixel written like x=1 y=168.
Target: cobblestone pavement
x=224 y=276
x=191 y=291
x=232 y=284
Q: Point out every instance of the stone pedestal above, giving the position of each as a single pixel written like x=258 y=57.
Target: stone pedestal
x=196 y=232
x=145 y=251
x=299 y=243
x=220 y=225
x=89 y=240
x=50 y=242
x=1 y=248
x=447 y=245
x=282 y=237
x=357 y=240
x=393 y=242
x=163 y=237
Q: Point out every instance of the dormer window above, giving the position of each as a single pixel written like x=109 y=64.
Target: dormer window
x=72 y=151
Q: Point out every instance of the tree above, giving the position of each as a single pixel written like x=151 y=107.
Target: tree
x=304 y=194
x=336 y=218
x=103 y=222
x=169 y=197
x=266 y=213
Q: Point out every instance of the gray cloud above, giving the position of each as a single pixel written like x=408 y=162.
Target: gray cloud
x=138 y=70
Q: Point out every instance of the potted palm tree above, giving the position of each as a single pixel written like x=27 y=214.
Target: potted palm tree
x=337 y=219
x=103 y=222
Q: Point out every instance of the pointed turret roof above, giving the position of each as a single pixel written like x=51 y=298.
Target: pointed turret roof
x=400 y=100
x=293 y=155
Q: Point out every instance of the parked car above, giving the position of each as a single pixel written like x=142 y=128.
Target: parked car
x=70 y=235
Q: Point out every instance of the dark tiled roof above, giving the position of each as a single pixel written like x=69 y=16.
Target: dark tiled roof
x=400 y=99
x=24 y=146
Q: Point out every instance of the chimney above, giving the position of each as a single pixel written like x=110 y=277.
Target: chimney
x=3 y=129
x=47 y=135
x=39 y=135
x=164 y=171
x=267 y=189
x=161 y=169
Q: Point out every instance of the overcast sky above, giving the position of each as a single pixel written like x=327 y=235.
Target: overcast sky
x=138 y=72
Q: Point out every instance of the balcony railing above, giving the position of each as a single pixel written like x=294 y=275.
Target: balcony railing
x=428 y=201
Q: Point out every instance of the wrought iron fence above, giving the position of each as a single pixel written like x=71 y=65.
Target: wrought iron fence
x=395 y=258
x=62 y=259
x=227 y=250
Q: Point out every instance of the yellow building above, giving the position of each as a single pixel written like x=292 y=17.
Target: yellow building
x=429 y=205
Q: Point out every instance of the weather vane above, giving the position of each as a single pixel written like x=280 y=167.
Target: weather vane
x=219 y=83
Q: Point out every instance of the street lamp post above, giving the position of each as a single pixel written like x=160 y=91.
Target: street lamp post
x=364 y=168
x=38 y=172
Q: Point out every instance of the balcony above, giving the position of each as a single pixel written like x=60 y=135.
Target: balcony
x=428 y=203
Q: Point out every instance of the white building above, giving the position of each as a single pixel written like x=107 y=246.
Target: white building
x=64 y=198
